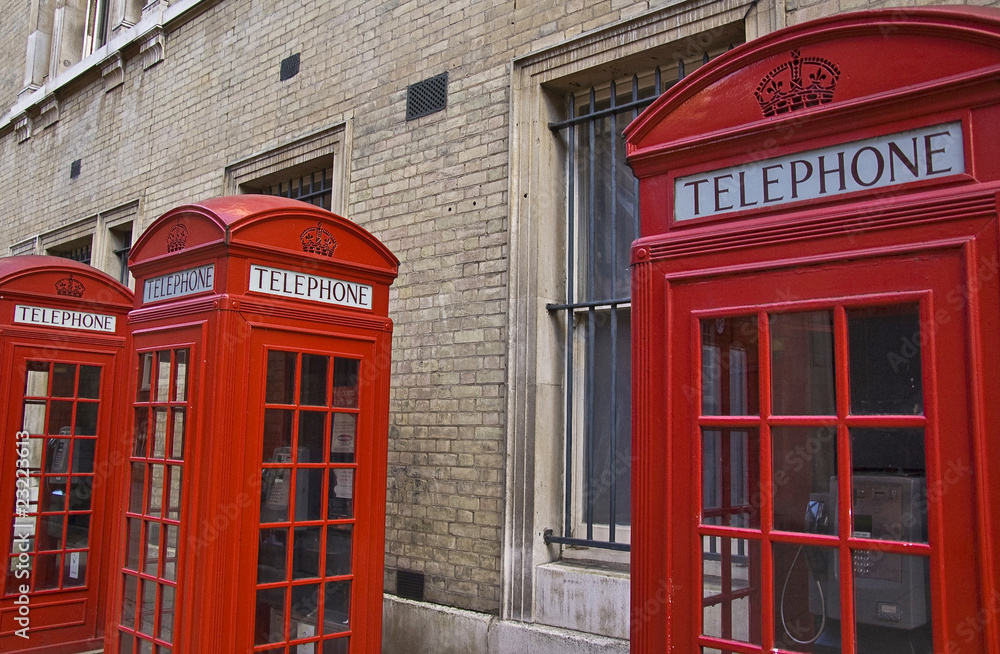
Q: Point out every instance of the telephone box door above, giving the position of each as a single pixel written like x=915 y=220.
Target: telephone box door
x=829 y=426
x=319 y=514
x=59 y=428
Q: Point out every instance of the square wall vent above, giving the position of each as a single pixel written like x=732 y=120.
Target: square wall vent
x=427 y=97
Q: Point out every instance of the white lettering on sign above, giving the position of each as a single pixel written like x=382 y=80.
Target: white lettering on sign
x=179 y=284
x=891 y=160
x=95 y=322
x=287 y=283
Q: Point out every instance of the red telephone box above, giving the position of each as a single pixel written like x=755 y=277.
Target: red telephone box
x=816 y=307
x=255 y=515
x=62 y=340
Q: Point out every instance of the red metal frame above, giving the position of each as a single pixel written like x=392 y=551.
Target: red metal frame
x=931 y=242
x=75 y=365
x=228 y=280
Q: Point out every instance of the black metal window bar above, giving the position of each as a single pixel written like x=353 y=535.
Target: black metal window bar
x=315 y=188
x=603 y=220
x=79 y=253
x=121 y=253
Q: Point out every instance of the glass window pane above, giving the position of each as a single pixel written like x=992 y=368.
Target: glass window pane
x=147 y=608
x=305 y=616
x=80 y=492
x=46 y=572
x=83 y=454
x=50 y=536
x=152 y=548
x=129 y=596
x=162 y=377
x=312 y=428
x=90 y=382
x=345 y=382
x=166 y=613
x=274 y=494
x=159 y=444
x=86 y=419
x=74 y=569
x=141 y=432
x=889 y=484
x=337 y=645
x=892 y=602
x=180 y=375
x=34 y=417
x=170 y=552
x=278 y=435
x=309 y=494
x=731 y=477
x=54 y=495
x=731 y=588
x=305 y=557
x=136 y=487
x=175 y=474
x=313 y=383
x=272 y=555
x=145 y=377
x=155 y=494
x=77 y=530
x=269 y=625
x=343 y=437
x=338 y=550
x=177 y=442
x=127 y=643
x=57 y=456
x=806 y=597
x=337 y=607
x=134 y=554
x=729 y=366
x=805 y=466
x=802 y=364
x=37 y=379
x=885 y=368
x=60 y=418
x=63 y=380
x=341 y=494
x=280 y=385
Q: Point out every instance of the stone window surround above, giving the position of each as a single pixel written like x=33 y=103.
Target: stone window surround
x=535 y=437
x=333 y=142
x=36 y=108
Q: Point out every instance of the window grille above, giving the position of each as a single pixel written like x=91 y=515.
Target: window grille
x=315 y=188
x=79 y=253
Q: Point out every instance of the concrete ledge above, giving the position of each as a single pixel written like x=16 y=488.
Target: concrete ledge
x=583 y=598
x=410 y=627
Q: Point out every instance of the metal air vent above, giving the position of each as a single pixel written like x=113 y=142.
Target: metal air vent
x=410 y=585
x=427 y=97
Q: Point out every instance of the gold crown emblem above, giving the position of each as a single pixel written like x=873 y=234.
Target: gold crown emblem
x=317 y=240
x=177 y=237
x=70 y=287
x=796 y=84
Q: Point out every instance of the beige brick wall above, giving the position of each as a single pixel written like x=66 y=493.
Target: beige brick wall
x=13 y=45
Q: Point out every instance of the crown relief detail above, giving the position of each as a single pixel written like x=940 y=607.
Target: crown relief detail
x=796 y=84
x=317 y=240
x=177 y=237
x=70 y=287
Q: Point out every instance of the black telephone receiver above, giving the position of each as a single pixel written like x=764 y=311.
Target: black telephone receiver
x=817 y=521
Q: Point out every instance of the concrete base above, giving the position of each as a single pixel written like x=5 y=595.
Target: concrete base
x=420 y=628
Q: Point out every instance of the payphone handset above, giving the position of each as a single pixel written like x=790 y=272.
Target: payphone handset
x=276 y=481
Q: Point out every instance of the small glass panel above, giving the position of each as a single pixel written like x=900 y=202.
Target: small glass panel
x=162 y=377
x=34 y=417
x=341 y=494
x=180 y=375
x=86 y=419
x=77 y=530
x=730 y=588
x=343 y=437
x=127 y=643
x=274 y=494
x=145 y=377
x=806 y=597
x=175 y=475
x=36 y=383
x=57 y=456
x=313 y=383
x=83 y=454
x=159 y=434
x=280 y=388
x=60 y=418
x=50 y=536
x=305 y=558
x=309 y=494
x=134 y=550
x=155 y=490
x=170 y=552
x=166 y=613
x=804 y=463
x=270 y=616
x=338 y=550
x=892 y=604
x=889 y=484
x=80 y=492
x=54 y=498
x=139 y=441
x=729 y=366
x=272 y=555
x=345 y=382
x=802 y=364
x=278 y=435
x=337 y=645
x=74 y=569
x=148 y=607
x=312 y=427
x=885 y=368
x=63 y=380
x=305 y=614
x=46 y=573
x=337 y=607
x=90 y=382
x=731 y=477
x=177 y=442
x=138 y=484
x=152 y=548
x=128 y=601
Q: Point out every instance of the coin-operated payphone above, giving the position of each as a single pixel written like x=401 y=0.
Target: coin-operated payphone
x=259 y=399
x=63 y=336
